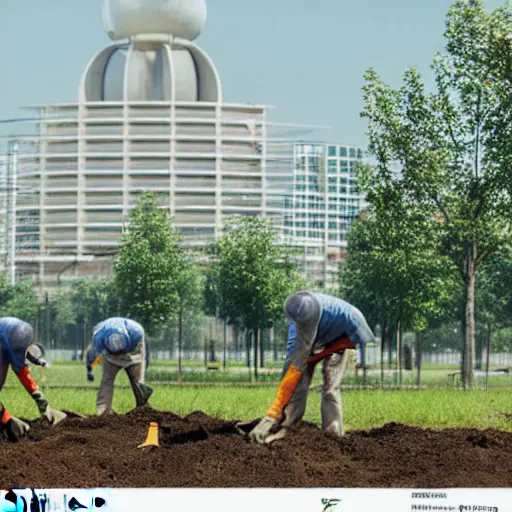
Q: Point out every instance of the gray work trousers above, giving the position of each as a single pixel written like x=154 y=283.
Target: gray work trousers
x=332 y=421
x=134 y=367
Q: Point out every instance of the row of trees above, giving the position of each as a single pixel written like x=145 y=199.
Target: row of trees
x=245 y=279
x=434 y=245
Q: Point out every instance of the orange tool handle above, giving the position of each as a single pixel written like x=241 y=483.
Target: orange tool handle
x=338 y=345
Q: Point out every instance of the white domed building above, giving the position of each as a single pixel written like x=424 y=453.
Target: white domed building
x=150 y=116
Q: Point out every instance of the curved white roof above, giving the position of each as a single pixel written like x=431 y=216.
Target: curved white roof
x=179 y=18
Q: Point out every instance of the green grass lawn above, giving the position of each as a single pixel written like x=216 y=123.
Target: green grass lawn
x=363 y=409
x=72 y=374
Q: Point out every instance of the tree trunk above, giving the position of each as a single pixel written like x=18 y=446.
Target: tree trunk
x=256 y=342
x=488 y=356
x=273 y=342
x=382 y=340
x=248 y=348
x=262 y=351
x=180 y=340
x=418 y=359
x=84 y=340
x=468 y=367
x=47 y=321
x=399 y=354
x=390 y=349
x=235 y=341
x=224 y=362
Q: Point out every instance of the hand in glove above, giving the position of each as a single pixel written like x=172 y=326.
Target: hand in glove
x=16 y=429
x=40 y=401
x=45 y=363
x=54 y=416
x=147 y=391
x=259 y=433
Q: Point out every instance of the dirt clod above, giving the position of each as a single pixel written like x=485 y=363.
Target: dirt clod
x=201 y=451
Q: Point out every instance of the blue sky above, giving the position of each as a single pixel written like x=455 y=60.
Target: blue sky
x=304 y=58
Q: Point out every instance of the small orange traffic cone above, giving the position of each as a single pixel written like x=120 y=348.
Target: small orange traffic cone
x=152 y=439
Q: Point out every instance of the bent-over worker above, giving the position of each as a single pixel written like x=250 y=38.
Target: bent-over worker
x=119 y=343
x=321 y=328
x=16 y=336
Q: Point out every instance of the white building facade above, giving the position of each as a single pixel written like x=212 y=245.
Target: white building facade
x=151 y=116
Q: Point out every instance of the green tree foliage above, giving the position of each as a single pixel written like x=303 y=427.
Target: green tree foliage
x=252 y=275
x=394 y=272
x=452 y=147
x=19 y=301
x=148 y=265
x=493 y=296
x=92 y=301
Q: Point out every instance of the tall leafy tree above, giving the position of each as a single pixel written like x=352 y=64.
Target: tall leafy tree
x=252 y=275
x=452 y=147
x=394 y=272
x=148 y=265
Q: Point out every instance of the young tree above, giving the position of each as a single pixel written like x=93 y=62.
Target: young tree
x=148 y=265
x=394 y=272
x=452 y=146
x=253 y=276
x=189 y=288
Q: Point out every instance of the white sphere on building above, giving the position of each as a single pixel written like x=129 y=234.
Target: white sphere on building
x=179 y=18
x=152 y=66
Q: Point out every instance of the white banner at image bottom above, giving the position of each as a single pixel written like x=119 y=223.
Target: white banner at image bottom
x=256 y=500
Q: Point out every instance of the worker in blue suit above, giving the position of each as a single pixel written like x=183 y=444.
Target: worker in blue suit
x=119 y=343
x=16 y=336
x=321 y=328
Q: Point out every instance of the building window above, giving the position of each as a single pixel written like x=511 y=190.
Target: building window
x=343 y=151
x=344 y=166
x=332 y=167
x=352 y=152
x=332 y=151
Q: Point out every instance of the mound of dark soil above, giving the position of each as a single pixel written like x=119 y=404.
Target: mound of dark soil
x=200 y=451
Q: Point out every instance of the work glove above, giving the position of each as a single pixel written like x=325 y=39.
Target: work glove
x=90 y=376
x=260 y=432
x=16 y=429
x=44 y=363
x=147 y=391
x=40 y=401
x=54 y=416
x=142 y=394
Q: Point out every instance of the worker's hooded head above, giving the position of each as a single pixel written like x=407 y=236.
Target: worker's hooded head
x=304 y=311
x=115 y=343
x=21 y=337
x=301 y=308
